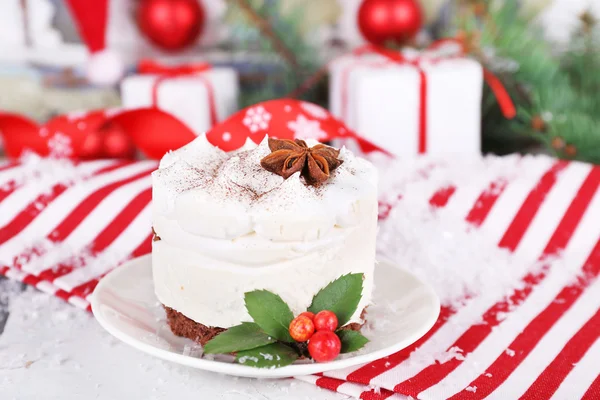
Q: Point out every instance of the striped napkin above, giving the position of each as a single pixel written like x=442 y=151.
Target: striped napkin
x=62 y=227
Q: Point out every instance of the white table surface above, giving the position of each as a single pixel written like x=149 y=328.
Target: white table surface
x=52 y=350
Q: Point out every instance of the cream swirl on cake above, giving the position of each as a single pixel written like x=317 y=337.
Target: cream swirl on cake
x=228 y=226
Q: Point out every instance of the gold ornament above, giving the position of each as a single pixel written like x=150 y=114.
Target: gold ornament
x=538 y=124
x=558 y=143
x=571 y=150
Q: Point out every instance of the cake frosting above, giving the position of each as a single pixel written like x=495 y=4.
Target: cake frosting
x=228 y=226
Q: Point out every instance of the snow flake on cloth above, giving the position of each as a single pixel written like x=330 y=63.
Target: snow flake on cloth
x=256 y=119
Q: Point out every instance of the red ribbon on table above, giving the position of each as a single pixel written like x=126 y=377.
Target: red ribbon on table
x=166 y=72
x=504 y=101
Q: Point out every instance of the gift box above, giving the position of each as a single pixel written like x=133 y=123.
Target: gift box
x=411 y=102
x=198 y=95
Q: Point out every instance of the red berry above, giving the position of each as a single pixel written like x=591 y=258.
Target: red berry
x=301 y=328
x=308 y=314
x=324 y=346
x=325 y=321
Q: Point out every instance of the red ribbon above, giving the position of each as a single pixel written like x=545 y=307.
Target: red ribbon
x=506 y=105
x=166 y=72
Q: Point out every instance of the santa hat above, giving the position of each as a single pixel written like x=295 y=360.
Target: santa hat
x=104 y=67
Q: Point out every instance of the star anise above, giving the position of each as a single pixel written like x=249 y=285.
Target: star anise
x=290 y=156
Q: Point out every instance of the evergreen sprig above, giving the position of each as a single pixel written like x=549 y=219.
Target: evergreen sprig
x=560 y=87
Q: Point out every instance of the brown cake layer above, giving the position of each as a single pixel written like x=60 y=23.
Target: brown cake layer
x=183 y=326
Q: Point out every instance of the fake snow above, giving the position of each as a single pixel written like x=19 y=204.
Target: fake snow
x=461 y=263
x=440 y=247
x=41 y=173
x=243 y=359
x=376 y=389
x=453 y=353
x=472 y=389
x=267 y=356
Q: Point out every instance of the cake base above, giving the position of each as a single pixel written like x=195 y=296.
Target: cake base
x=183 y=326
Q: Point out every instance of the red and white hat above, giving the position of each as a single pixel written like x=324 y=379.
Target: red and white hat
x=104 y=67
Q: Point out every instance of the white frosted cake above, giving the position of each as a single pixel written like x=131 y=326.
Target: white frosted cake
x=225 y=225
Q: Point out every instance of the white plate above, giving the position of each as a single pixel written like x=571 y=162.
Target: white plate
x=124 y=303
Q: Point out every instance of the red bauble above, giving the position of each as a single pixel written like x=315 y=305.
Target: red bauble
x=324 y=346
x=171 y=24
x=382 y=21
x=325 y=321
x=92 y=146
x=116 y=143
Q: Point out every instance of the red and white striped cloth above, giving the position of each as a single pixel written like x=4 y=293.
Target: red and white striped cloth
x=540 y=342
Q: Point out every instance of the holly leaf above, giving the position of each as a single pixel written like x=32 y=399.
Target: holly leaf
x=270 y=312
x=351 y=340
x=273 y=355
x=340 y=296
x=246 y=336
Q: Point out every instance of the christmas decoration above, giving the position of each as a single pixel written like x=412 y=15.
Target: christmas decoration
x=265 y=343
x=76 y=136
x=197 y=94
x=171 y=24
x=105 y=67
x=389 y=21
x=116 y=143
x=570 y=150
x=414 y=102
x=283 y=119
x=555 y=92
x=154 y=132
x=109 y=133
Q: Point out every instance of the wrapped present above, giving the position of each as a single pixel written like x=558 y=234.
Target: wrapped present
x=411 y=102
x=199 y=95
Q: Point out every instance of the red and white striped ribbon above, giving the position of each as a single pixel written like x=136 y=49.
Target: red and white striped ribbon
x=539 y=342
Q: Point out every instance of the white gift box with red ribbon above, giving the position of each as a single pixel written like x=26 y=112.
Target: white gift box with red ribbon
x=198 y=95
x=411 y=102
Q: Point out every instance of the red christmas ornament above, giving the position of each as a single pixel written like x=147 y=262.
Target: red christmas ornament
x=171 y=24
x=92 y=146
x=116 y=143
x=382 y=21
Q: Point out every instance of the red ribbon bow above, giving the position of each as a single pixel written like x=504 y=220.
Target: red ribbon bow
x=504 y=101
x=167 y=72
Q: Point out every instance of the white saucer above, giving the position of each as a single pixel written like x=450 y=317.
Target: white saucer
x=403 y=310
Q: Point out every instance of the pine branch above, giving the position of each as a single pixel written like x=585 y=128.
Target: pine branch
x=267 y=30
x=556 y=96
